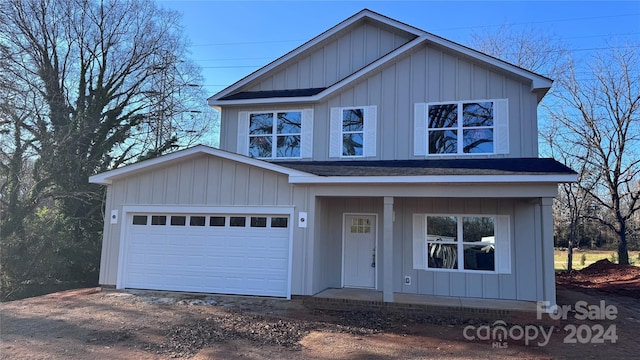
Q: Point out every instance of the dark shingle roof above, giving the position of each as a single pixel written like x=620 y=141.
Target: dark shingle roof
x=244 y=95
x=503 y=166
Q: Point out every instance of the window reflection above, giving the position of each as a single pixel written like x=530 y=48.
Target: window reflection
x=461 y=128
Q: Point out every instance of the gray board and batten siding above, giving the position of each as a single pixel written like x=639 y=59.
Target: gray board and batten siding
x=428 y=74
x=333 y=59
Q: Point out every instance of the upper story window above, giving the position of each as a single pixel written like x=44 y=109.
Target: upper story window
x=461 y=128
x=353 y=132
x=275 y=134
x=285 y=134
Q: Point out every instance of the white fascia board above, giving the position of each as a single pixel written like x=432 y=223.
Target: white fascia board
x=309 y=44
x=433 y=179
x=332 y=89
x=106 y=178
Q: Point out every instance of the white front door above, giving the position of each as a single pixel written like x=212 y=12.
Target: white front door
x=359 y=251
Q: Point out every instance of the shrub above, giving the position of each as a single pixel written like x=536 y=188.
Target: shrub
x=47 y=257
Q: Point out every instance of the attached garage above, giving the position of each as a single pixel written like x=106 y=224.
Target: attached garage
x=202 y=220
x=209 y=251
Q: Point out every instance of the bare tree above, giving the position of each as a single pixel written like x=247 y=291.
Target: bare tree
x=599 y=118
x=541 y=52
x=532 y=49
x=573 y=202
x=91 y=85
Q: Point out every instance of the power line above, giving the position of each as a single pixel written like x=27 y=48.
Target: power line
x=560 y=50
x=540 y=22
x=603 y=35
x=236 y=59
x=442 y=29
x=231 y=67
x=573 y=37
x=248 y=43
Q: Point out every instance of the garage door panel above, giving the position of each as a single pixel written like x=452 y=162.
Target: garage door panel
x=233 y=260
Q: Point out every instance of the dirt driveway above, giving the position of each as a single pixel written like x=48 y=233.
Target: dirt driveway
x=90 y=323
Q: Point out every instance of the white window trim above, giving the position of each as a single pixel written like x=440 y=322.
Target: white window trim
x=306 y=133
x=500 y=127
x=369 y=131
x=502 y=242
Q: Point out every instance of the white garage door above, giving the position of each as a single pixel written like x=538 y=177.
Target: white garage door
x=213 y=253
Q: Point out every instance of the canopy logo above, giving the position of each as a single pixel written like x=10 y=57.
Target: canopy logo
x=500 y=334
x=587 y=333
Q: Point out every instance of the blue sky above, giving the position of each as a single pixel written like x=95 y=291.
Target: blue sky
x=231 y=39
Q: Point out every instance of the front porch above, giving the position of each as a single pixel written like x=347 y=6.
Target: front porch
x=429 y=305
x=394 y=259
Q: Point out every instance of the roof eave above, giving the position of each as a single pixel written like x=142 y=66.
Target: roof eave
x=107 y=178
x=435 y=179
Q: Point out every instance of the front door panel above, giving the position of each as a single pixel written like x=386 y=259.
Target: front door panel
x=359 y=251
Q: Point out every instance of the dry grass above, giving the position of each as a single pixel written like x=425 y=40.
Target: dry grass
x=590 y=256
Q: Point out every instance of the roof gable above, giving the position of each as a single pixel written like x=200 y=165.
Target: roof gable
x=107 y=177
x=364 y=16
x=240 y=92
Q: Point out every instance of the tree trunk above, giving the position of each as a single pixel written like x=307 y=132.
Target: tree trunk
x=572 y=236
x=570 y=256
x=623 y=254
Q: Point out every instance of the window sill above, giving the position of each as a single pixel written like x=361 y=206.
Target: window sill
x=466 y=271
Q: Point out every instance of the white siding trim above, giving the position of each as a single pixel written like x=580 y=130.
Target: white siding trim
x=419 y=242
x=501 y=123
x=420 y=129
x=503 y=244
x=370 y=130
x=243 y=133
x=306 y=137
x=335 y=133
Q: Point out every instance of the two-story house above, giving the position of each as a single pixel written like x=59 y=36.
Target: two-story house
x=375 y=156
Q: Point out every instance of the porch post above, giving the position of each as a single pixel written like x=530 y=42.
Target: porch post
x=548 y=271
x=387 y=247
